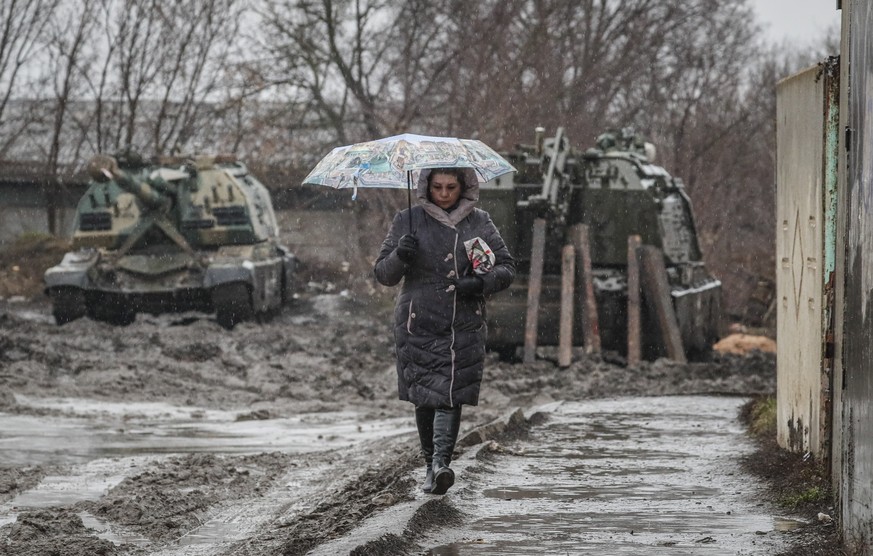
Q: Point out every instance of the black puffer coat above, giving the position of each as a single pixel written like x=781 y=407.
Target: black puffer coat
x=439 y=334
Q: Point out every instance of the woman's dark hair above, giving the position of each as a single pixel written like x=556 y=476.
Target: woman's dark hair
x=457 y=172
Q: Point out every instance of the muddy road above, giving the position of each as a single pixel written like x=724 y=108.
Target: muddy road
x=173 y=436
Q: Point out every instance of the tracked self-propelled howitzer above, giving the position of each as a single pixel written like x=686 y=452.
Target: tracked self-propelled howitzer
x=616 y=191
x=188 y=233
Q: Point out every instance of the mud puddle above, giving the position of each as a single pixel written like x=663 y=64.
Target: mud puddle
x=100 y=429
x=98 y=444
x=626 y=476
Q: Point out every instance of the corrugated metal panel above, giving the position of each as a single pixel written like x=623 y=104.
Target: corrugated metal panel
x=856 y=477
x=800 y=255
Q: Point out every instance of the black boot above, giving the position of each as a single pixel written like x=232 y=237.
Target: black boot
x=424 y=417
x=446 y=424
x=427 y=487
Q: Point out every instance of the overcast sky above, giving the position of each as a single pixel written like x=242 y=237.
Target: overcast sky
x=796 y=20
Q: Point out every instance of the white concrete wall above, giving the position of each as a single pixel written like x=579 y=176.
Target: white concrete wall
x=799 y=260
x=16 y=220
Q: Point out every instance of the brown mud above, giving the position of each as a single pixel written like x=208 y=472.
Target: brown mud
x=326 y=355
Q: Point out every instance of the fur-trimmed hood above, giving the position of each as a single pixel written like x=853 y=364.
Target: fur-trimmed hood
x=466 y=204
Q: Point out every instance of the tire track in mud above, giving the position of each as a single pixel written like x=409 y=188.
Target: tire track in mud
x=201 y=504
x=256 y=525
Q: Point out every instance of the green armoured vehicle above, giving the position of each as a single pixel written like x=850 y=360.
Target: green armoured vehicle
x=616 y=190
x=189 y=233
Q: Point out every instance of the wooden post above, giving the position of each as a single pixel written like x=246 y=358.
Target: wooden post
x=534 y=287
x=565 y=338
x=656 y=290
x=586 y=300
x=634 y=350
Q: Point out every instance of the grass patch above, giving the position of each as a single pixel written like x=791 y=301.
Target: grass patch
x=27 y=239
x=813 y=495
x=800 y=483
x=762 y=418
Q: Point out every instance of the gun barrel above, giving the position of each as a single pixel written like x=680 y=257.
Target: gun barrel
x=556 y=162
x=143 y=191
x=104 y=168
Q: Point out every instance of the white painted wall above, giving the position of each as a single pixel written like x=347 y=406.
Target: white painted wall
x=799 y=260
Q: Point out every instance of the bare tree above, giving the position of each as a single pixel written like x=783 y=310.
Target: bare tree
x=361 y=68
x=21 y=36
x=139 y=58
x=152 y=69
x=607 y=64
x=197 y=45
x=66 y=44
x=317 y=57
x=97 y=78
x=735 y=189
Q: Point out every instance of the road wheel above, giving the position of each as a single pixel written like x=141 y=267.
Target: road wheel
x=233 y=304
x=111 y=308
x=507 y=353
x=68 y=304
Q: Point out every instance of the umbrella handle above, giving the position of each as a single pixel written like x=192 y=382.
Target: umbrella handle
x=409 y=198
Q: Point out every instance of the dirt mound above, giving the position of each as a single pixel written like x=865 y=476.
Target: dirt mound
x=319 y=353
x=42 y=532
x=595 y=377
x=23 y=263
x=325 y=352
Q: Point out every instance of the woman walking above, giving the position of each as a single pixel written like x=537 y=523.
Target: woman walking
x=453 y=258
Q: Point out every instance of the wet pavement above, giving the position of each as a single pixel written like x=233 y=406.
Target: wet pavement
x=625 y=476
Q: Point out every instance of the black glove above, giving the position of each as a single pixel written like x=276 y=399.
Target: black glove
x=469 y=285
x=407 y=248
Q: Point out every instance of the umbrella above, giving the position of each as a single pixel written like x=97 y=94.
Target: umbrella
x=390 y=162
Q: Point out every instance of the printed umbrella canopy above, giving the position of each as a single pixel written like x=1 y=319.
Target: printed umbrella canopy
x=390 y=162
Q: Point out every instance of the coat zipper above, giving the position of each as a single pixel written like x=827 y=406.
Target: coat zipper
x=454 y=312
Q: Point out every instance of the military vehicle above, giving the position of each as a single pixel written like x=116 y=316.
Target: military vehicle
x=617 y=191
x=176 y=234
